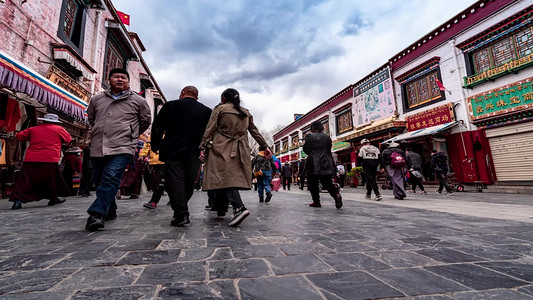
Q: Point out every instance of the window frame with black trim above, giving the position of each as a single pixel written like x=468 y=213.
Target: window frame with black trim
x=76 y=37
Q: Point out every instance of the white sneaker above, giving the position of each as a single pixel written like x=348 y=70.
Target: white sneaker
x=239 y=214
x=379 y=197
x=449 y=193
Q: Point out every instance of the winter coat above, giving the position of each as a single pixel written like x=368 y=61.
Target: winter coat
x=229 y=163
x=117 y=124
x=387 y=153
x=371 y=157
x=413 y=160
x=439 y=161
x=260 y=162
x=45 y=142
x=318 y=149
x=178 y=129
x=286 y=171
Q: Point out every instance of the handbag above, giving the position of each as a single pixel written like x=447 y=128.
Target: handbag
x=259 y=173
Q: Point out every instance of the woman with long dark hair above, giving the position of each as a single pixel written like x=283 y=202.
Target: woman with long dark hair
x=225 y=147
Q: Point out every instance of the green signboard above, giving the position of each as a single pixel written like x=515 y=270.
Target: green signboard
x=509 y=98
x=340 y=145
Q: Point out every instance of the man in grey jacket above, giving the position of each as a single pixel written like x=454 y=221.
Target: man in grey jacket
x=117 y=116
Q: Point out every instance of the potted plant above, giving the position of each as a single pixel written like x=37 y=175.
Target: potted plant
x=354 y=176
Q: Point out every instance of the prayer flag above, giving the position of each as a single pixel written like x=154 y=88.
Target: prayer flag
x=124 y=18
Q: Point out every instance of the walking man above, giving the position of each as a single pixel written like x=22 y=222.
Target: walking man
x=286 y=173
x=371 y=158
x=341 y=175
x=439 y=164
x=320 y=165
x=414 y=165
x=177 y=132
x=117 y=116
x=394 y=163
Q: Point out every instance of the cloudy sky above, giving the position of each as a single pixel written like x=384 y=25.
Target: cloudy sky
x=284 y=56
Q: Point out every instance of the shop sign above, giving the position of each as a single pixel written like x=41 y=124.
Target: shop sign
x=63 y=80
x=294 y=156
x=284 y=158
x=509 y=98
x=432 y=117
x=303 y=155
x=511 y=66
x=340 y=145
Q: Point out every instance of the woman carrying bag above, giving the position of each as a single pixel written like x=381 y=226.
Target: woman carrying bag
x=264 y=169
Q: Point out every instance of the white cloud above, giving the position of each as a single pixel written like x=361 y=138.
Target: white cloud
x=284 y=57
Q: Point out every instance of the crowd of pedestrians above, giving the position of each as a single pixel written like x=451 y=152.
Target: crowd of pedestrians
x=192 y=144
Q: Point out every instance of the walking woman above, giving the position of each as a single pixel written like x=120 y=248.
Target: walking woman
x=265 y=163
x=226 y=152
x=40 y=177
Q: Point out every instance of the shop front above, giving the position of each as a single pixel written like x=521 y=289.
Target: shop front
x=505 y=116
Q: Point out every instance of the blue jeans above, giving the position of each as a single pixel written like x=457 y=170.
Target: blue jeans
x=263 y=182
x=107 y=174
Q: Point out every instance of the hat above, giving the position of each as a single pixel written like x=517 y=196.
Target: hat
x=74 y=150
x=50 y=118
x=364 y=141
x=393 y=144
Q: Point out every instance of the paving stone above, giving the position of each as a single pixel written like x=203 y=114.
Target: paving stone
x=516 y=269
x=304 y=248
x=415 y=281
x=82 y=259
x=528 y=290
x=263 y=250
x=353 y=285
x=31 y=281
x=90 y=246
x=136 y=245
x=117 y=293
x=291 y=287
x=449 y=255
x=346 y=246
x=149 y=257
x=429 y=242
x=475 y=277
x=29 y=262
x=494 y=294
x=222 y=254
x=524 y=249
x=213 y=290
x=181 y=244
x=352 y=261
x=195 y=254
x=38 y=295
x=175 y=272
x=297 y=264
x=245 y=268
x=402 y=259
x=100 y=277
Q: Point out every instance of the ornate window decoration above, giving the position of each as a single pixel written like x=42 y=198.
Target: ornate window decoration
x=344 y=120
x=504 y=48
x=277 y=148
x=72 y=24
x=419 y=86
x=285 y=145
x=113 y=59
x=295 y=142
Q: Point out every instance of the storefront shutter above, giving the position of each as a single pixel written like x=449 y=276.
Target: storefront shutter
x=512 y=150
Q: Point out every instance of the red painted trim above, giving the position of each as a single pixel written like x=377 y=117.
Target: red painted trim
x=490 y=7
x=349 y=105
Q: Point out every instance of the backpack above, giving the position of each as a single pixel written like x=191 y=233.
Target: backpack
x=397 y=161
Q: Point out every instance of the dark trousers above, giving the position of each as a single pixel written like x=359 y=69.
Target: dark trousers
x=159 y=182
x=287 y=182
x=442 y=181
x=327 y=184
x=107 y=174
x=341 y=179
x=371 y=184
x=211 y=196
x=179 y=183
x=415 y=181
x=225 y=196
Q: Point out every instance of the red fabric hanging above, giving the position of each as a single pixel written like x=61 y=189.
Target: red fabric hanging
x=12 y=114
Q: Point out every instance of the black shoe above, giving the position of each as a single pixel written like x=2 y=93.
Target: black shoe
x=94 y=223
x=208 y=207
x=180 y=221
x=338 y=201
x=110 y=216
x=239 y=214
x=268 y=197
x=261 y=199
x=56 y=201
x=17 y=205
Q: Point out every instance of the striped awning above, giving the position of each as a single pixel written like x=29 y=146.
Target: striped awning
x=22 y=79
x=420 y=133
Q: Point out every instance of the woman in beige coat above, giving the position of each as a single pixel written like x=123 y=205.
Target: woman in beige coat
x=225 y=147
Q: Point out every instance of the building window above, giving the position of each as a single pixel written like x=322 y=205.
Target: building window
x=344 y=121
x=422 y=90
x=113 y=59
x=295 y=142
x=503 y=51
x=72 y=24
x=285 y=146
x=277 y=148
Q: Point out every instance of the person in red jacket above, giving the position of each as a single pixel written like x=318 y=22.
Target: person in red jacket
x=40 y=177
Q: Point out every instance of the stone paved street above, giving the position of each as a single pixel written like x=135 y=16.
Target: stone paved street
x=468 y=246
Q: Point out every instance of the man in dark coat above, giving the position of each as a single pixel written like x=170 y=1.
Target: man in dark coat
x=176 y=134
x=439 y=164
x=286 y=173
x=320 y=165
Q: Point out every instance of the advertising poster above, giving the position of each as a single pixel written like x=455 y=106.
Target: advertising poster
x=374 y=98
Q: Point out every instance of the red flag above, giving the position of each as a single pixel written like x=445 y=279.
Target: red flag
x=440 y=85
x=124 y=18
